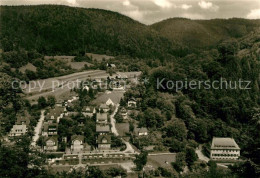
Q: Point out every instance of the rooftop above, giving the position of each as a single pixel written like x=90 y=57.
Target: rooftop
x=101 y=116
x=224 y=143
x=19 y=127
x=56 y=112
x=104 y=106
x=53 y=138
x=23 y=120
x=104 y=139
x=102 y=128
x=115 y=96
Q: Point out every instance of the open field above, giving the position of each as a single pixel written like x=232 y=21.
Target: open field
x=122 y=128
x=60 y=86
x=160 y=160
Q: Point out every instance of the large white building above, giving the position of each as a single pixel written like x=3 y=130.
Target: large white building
x=224 y=149
x=18 y=130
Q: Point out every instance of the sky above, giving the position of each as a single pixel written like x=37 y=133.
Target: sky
x=152 y=11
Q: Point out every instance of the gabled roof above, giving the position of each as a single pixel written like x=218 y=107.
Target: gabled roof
x=123 y=110
x=141 y=130
x=224 y=143
x=89 y=109
x=102 y=137
x=132 y=99
x=53 y=138
x=115 y=96
x=77 y=137
x=101 y=116
x=104 y=106
x=56 y=112
x=102 y=128
x=109 y=102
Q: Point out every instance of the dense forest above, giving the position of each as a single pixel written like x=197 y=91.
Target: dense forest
x=201 y=34
x=65 y=30
x=206 y=50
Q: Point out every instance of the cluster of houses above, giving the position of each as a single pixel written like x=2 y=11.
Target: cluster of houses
x=77 y=142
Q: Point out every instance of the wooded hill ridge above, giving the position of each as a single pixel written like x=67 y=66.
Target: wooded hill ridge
x=53 y=29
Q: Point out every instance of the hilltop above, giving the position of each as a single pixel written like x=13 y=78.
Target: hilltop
x=204 y=33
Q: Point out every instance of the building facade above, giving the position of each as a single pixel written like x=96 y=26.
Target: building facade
x=224 y=149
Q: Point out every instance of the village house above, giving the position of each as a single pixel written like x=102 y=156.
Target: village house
x=104 y=142
x=131 y=103
x=123 y=113
x=104 y=107
x=77 y=143
x=141 y=131
x=102 y=129
x=51 y=143
x=49 y=129
x=54 y=114
x=109 y=65
x=18 y=130
x=88 y=111
x=59 y=103
x=114 y=96
x=101 y=118
x=224 y=148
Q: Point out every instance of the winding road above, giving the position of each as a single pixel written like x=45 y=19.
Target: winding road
x=129 y=148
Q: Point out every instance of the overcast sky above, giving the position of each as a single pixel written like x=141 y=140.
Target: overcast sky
x=150 y=11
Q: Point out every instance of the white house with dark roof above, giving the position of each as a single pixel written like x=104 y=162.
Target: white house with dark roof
x=18 y=130
x=51 y=143
x=77 y=143
x=131 y=103
x=104 y=142
x=141 y=131
x=224 y=148
x=123 y=113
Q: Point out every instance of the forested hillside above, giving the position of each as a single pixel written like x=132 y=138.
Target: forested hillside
x=204 y=33
x=67 y=30
x=189 y=116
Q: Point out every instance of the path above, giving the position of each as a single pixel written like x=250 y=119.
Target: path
x=201 y=155
x=37 y=129
x=129 y=148
x=113 y=121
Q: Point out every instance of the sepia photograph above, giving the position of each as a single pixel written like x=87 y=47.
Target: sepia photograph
x=129 y=88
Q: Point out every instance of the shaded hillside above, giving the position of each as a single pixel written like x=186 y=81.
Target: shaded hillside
x=68 y=30
x=204 y=33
